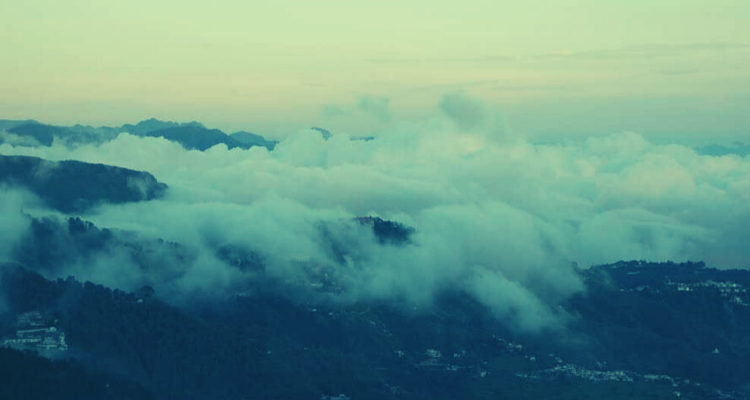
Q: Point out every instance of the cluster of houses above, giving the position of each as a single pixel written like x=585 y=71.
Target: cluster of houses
x=733 y=291
x=581 y=372
x=33 y=333
x=725 y=288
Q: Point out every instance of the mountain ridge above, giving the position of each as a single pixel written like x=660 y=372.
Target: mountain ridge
x=74 y=186
x=191 y=135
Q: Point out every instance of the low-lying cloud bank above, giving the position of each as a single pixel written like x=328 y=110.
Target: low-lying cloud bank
x=500 y=219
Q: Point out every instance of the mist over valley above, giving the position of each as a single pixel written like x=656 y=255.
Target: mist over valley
x=448 y=257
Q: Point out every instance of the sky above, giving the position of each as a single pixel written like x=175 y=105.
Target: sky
x=672 y=70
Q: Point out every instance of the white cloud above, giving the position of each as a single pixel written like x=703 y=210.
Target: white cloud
x=13 y=224
x=466 y=112
x=501 y=220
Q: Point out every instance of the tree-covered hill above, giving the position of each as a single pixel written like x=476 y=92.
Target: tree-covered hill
x=74 y=186
x=269 y=346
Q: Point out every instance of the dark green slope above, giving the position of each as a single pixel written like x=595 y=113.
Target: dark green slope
x=44 y=134
x=252 y=139
x=267 y=346
x=197 y=137
x=74 y=186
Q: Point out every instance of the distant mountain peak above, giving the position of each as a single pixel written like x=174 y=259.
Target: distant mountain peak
x=147 y=126
x=10 y=124
x=253 y=139
x=325 y=132
x=194 y=137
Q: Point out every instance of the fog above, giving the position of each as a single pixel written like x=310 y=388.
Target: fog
x=495 y=216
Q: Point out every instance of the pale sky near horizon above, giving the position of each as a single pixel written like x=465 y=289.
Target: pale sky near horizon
x=667 y=68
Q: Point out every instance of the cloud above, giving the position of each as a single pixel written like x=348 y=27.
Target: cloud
x=679 y=71
x=13 y=225
x=13 y=221
x=466 y=112
x=377 y=106
x=367 y=110
x=500 y=220
x=446 y=60
x=334 y=111
x=15 y=140
x=653 y=50
x=639 y=51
